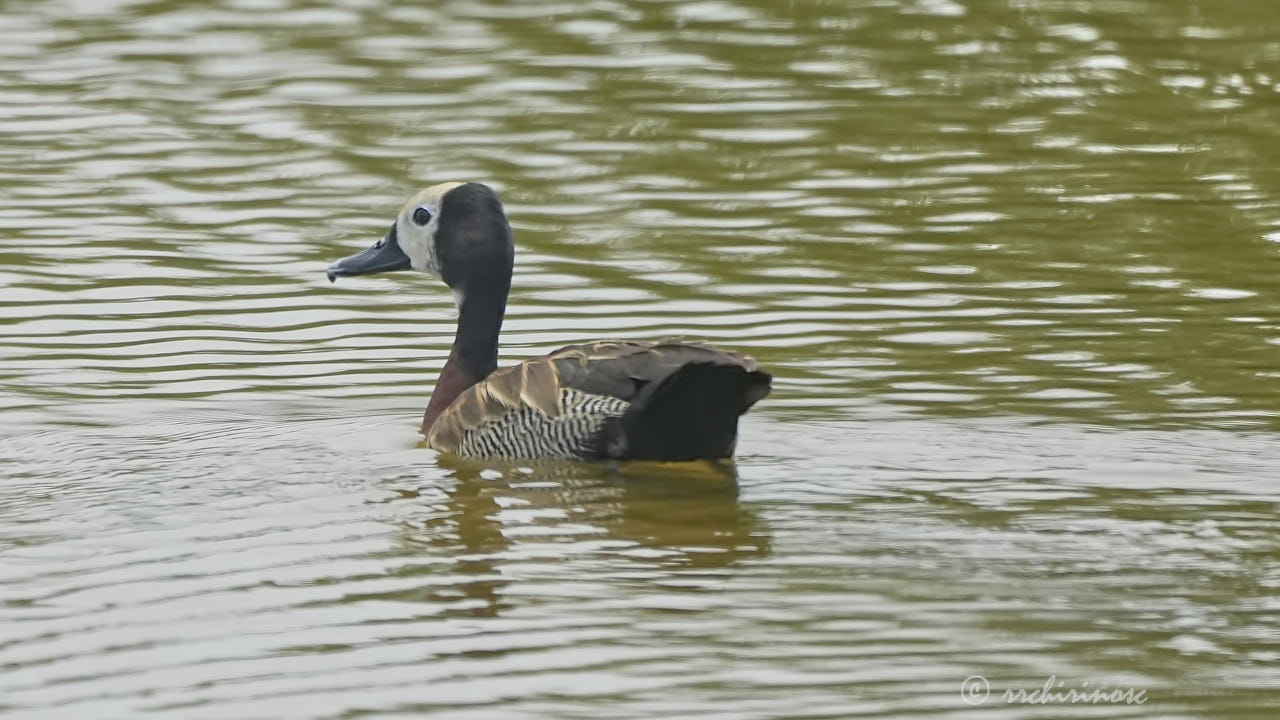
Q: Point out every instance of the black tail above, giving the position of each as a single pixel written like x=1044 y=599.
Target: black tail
x=690 y=414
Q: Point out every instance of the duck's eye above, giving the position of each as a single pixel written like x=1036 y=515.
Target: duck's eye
x=421 y=216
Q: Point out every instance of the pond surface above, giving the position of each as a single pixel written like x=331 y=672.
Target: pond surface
x=1013 y=264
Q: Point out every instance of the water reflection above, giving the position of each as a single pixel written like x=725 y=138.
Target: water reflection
x=661 y=517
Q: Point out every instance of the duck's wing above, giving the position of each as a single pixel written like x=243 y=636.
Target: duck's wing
x=623 y=368
x=557 y=405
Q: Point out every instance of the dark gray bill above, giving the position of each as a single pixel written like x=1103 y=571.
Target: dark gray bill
x=384 y=256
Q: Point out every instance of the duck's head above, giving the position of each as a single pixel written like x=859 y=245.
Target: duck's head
x=457 y=232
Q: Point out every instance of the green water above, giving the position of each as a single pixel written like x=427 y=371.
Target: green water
x=1013 y=264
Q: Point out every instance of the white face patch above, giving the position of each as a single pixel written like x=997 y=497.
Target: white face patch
x=419 y=241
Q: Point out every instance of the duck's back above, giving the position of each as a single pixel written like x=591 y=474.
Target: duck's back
x=611 y=399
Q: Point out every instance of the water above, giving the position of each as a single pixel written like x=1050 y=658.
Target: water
x=1012 y=263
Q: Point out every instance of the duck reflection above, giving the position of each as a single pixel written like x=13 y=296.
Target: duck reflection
x=567 y=516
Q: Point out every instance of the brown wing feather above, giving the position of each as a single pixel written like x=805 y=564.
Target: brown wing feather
x=446 y=433
x=534 y=383
x=503 y=385
x=540 y=386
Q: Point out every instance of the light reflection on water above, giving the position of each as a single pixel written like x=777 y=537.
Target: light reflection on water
x=1012 y=265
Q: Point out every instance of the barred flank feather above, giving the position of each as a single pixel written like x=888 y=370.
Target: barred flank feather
x=528 y=432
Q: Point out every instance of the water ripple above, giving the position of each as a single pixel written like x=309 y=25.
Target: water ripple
x=1011 y=265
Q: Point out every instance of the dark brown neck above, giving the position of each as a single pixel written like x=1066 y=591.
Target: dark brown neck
x=475 y=349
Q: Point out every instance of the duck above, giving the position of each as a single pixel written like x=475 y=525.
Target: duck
x=668 y=400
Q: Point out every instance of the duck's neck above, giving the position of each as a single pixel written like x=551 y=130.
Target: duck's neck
x=475 y=349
